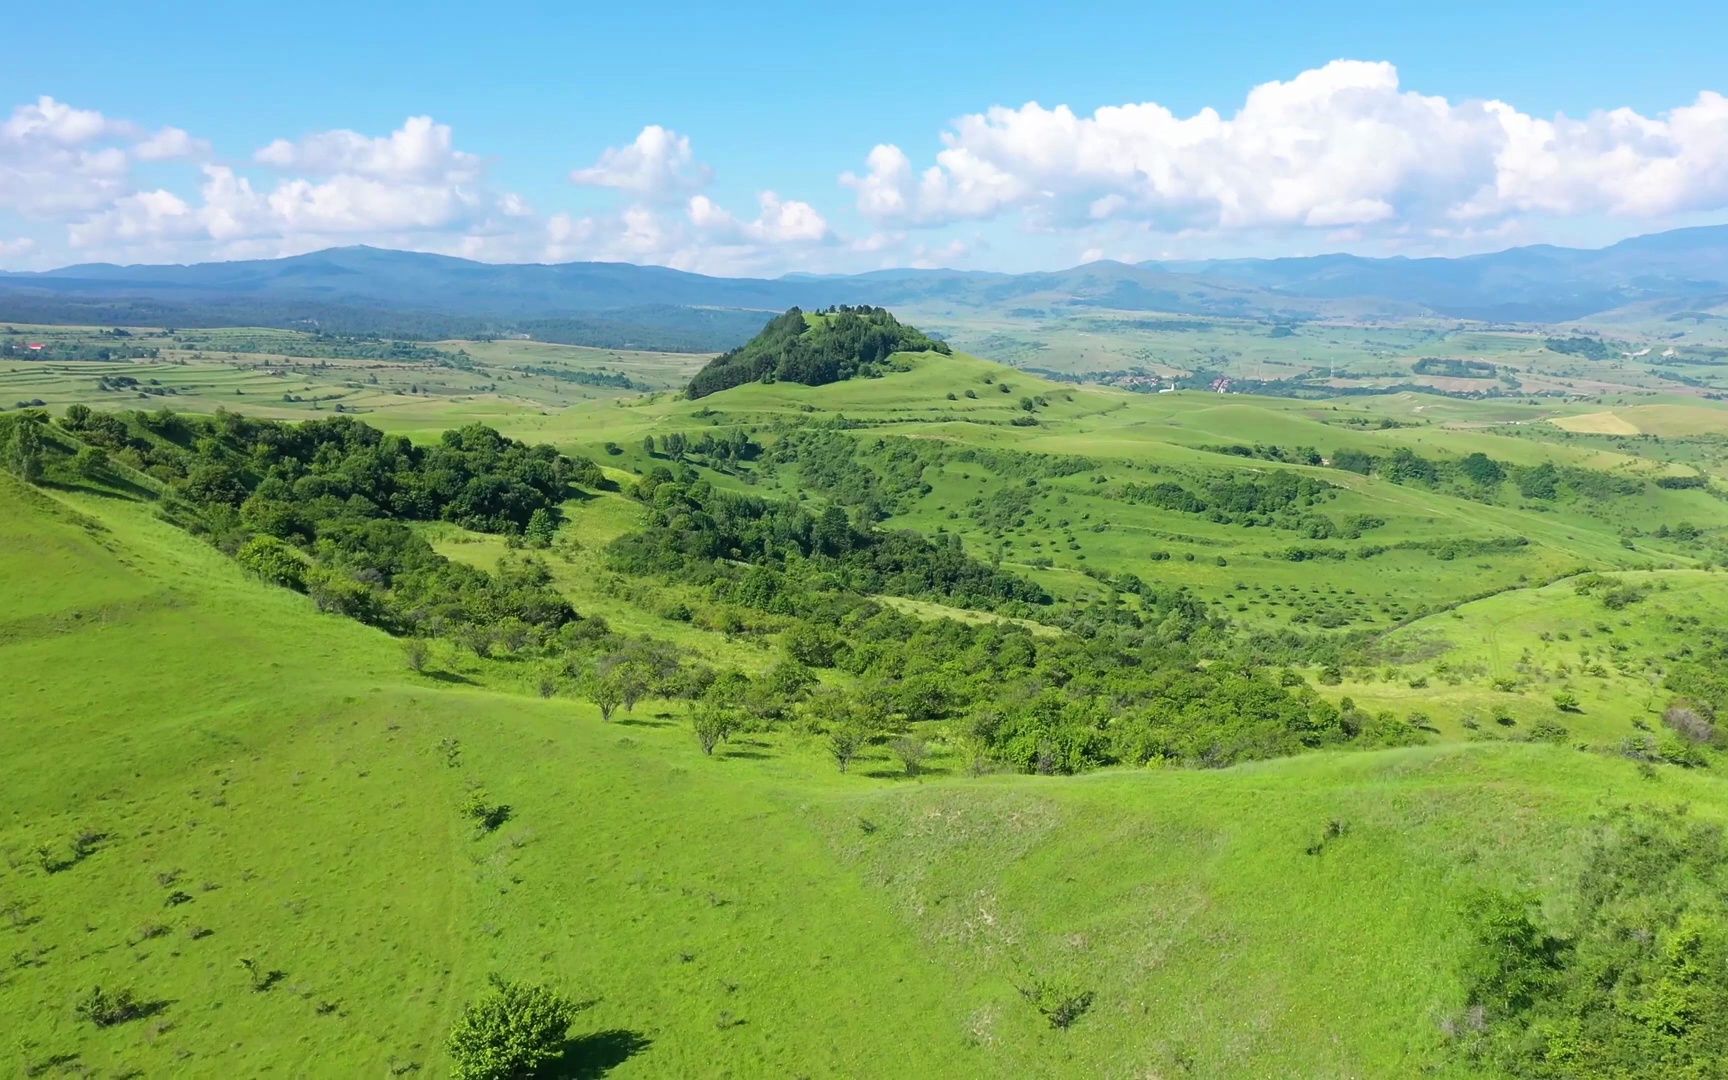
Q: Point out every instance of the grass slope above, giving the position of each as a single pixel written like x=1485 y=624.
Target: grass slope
x=750 y=914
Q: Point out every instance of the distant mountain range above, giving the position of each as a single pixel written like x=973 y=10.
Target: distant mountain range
x=409 y=294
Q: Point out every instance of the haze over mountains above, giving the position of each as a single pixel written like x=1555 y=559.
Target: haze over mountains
x=364 y=289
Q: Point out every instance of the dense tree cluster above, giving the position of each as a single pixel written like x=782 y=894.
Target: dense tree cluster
x=1453 y=367
x=616 y=380
x=840 y=343
x=1276 y=499
x=1588 y=347
x=693 y=530
x=322 y=507
x=1009 y=697
x=1631 y=981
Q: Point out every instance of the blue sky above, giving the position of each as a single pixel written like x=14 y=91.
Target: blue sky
x=763 y=138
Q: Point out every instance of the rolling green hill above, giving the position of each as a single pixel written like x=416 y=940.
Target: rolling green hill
x=977 y=724
x=813 y=349
x=751 y=912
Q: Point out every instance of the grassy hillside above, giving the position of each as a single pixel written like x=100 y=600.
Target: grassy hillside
x=750 y=913
x=250 y=812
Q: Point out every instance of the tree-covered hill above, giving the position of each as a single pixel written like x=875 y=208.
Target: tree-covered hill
x=837 y=344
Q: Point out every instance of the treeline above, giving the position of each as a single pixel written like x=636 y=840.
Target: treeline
x=1588 y=347
x=324 y=346
x=1279 y=499
x=841 y=343
x=1454 y=368
x=880 y=476
x=322 y=507
x=1477 y=474
x=725 y=541
x=18 y=347
x=326 y=506
x=616 y=380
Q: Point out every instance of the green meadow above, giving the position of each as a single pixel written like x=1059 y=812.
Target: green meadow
x=248 y=811
x=748 y=914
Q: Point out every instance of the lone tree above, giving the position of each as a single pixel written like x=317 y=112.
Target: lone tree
x=24 y=455
x=712 y=723
x=845 y=741
x=511 y=1031
x=911 y=750
x=603 y=690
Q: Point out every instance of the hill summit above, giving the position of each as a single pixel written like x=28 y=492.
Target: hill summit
x=814 y=349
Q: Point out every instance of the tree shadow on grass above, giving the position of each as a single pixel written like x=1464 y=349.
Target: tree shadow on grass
x=589 y=1056
x=118 y=488
x=448 y=677
x=895 y=773
x=635 y=721
x=748 y=755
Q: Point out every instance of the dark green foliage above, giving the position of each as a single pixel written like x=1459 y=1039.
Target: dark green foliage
x=839 y=344
x=486 y=815
x=693 y=526
x=1277 y=498
x=1588 y=347
x=320 y=507
x=1060 y=1005
x=511 y=1032
x=614 y=379
x=1454 y=368
x=1679 y=483
x=21 y=444
x=105 y=1009
x=1480 y=469
x=1634 y=983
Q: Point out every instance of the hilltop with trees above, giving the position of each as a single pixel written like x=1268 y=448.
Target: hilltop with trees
x=815 y=349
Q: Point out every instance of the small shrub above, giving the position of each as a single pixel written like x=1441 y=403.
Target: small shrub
x=415 y=653
x=1549 y=731
x=513 y=1030
x=106 y=1009
x=911 y=750
x=1060 y=1005
x=1566 y=701
x=485 y=814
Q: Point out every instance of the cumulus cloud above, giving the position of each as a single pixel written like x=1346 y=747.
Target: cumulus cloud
x=780 y=221
x=420 y=150
x=57 y=160
x=169 y=144
x=1341 y=146
x=231 y=209
x=12 y=249
x=53 y=121
x=658 y=165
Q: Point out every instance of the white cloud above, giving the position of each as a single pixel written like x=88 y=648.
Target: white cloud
x=336 y=209
x=659 y=164
x=53 y=121
x=420 y=150
x=779 y=222
x=1341 y=146
x=55 y=161
x=12 y=249
x=169 y=144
